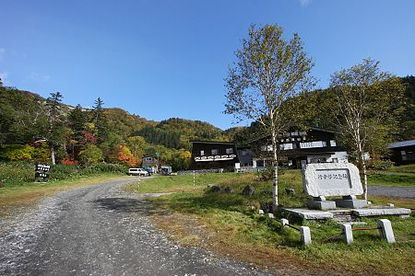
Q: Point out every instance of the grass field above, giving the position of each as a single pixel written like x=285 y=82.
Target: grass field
x=395 y=176
x=228 y=223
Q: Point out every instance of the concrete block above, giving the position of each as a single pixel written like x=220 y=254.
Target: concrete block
x=351 y=203
x=284 y=222
x=321 y=205
x=386 y=231
x=372 y=212
x=305 y=235
x=308 y=214
x=347 y=233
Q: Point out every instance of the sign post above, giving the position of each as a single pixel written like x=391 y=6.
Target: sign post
x=41 y=172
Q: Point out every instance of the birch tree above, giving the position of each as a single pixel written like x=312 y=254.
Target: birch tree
x=55 y=131
x=268 y=71
x=367 y=103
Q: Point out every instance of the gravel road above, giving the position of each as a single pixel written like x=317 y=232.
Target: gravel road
x=407 y=192
x=100 y=230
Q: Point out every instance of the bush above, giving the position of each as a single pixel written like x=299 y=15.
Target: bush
x=20 y=173
x=379 y=165
x=60 y=172
x=41 y=153
x=105 y=168
x=16 y=173
x=91 y=155
x=17 y=152
x=268 y=173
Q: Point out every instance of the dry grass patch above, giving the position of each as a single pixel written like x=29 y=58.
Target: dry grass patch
x=195 y=231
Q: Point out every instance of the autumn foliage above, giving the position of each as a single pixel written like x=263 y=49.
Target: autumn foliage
x=125 y=156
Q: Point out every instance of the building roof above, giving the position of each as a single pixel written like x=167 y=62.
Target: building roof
x=307 y=129
x=402 y=144
x=213 y=142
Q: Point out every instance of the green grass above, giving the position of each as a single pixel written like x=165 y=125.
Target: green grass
x=403 y=169
x=391 y=179
x=395 y=176
x=232 y=216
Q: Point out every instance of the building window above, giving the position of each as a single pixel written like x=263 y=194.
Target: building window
x=202 y=152
x=229 y=151
x=403 y=154
x=313 y=144
x=286 y=146
x=215 y=151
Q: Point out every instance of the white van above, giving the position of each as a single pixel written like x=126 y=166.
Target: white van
x=137 y=172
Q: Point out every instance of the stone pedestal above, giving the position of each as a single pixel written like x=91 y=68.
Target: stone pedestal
x=351 y=202
x=347 y=233
x=320 y=203
x=386 y=231
x=305 y=235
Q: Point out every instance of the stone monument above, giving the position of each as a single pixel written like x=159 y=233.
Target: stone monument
x=333 y=179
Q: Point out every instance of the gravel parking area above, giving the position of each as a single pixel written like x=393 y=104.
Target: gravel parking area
x=100 y=230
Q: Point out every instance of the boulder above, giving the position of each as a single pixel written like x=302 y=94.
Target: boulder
x=215 y=189
x=290 y=191
x=228 y=190
x=249 y=190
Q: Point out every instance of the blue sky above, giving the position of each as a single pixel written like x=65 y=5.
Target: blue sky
x=161 y=59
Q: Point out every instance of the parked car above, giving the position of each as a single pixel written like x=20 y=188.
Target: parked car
x=166 y=170
x=137 y=172
x=150 y=170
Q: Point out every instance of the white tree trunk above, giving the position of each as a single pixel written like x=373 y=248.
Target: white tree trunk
x=52 y=155
x=362 y=161
x=275 y=178
x=364 y=172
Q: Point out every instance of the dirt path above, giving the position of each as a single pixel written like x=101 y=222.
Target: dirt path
x=100 y=230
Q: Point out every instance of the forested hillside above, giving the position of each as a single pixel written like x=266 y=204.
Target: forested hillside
x=178 y=133
x=33 y=128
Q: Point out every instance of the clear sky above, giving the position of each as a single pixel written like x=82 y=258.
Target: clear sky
x=168 y=58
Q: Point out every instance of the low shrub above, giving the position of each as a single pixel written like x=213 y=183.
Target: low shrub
x=17 y=152
x=19 y=173
x=379 y=165
x=60 y=172
x=16 y=173
x=105 y=168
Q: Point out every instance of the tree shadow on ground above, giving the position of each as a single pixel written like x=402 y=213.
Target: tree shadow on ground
x=124 y=205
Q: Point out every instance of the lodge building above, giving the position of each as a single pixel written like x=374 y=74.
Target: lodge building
x=213 y=155
x=296 y=149
x=403 y=152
